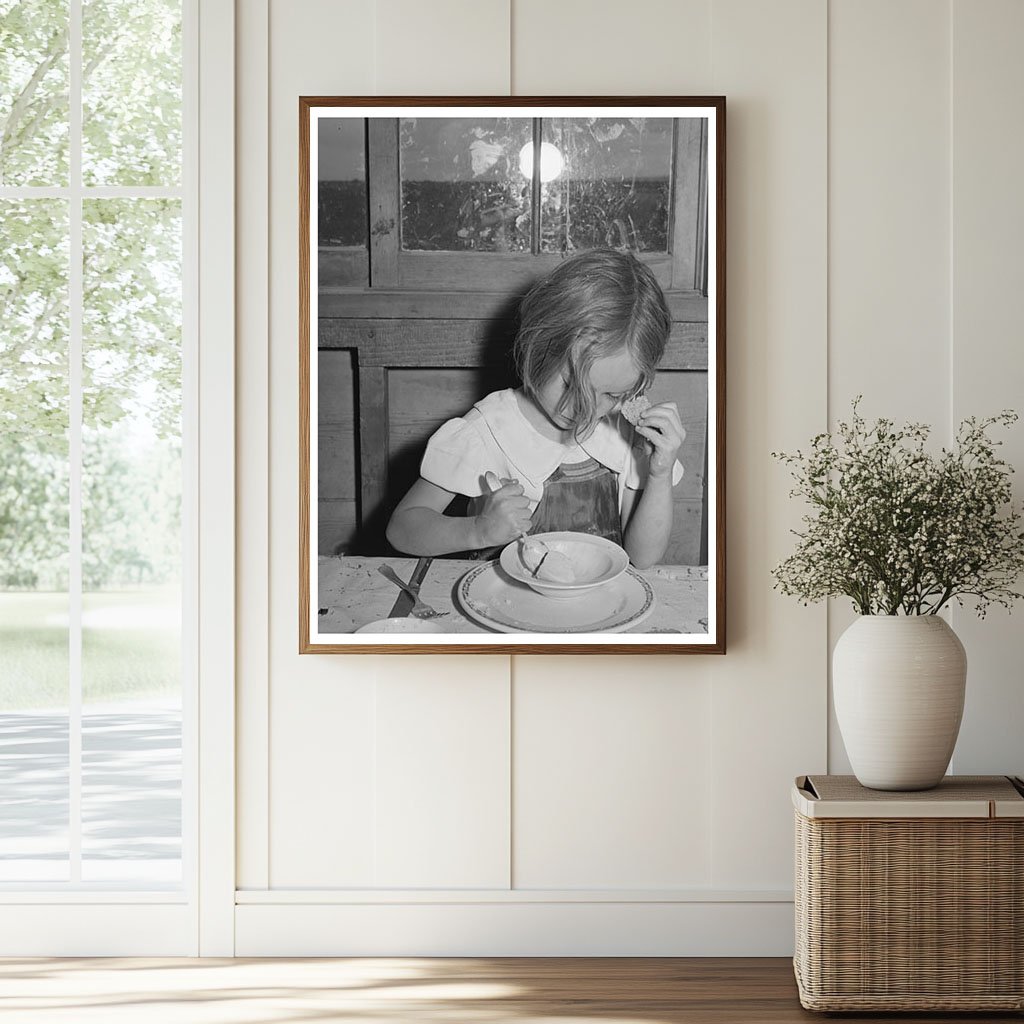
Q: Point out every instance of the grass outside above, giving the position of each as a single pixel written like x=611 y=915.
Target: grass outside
x=130 y=647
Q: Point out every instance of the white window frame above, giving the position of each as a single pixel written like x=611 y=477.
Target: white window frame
x=216 y=391
x=197 y=918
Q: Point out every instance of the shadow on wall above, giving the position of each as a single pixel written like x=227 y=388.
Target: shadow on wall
x=420 y=399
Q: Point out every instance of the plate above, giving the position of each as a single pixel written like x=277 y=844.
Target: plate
x=402 y=625
x=492 y=598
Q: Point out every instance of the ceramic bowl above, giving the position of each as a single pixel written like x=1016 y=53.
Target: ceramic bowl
x=595 y=561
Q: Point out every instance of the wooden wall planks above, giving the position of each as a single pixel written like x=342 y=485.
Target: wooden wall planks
x=768 y=694
x=889 y=252
x=684 y=307
x=907 y=285
x=986 y=370
x=337 y=519
x=405 y=406
x=461 y=343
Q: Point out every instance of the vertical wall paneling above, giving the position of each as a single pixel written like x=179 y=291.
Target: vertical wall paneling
x=321 y=708
x=216 y=478
x=601 y=48
x=607 y=775
x=611 y=778
x=442 y=776
x=323 y=761
x=888 y=223
x=872 y=248
x=442 y=48
x=441 y=770
x=987 y=368
x=253 y=459
x=769 y=692
x=888 y=209
x=452 y=753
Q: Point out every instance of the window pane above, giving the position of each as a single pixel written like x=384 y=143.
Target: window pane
x=131 y=92
x=612 y=187
x=33 y=92
x=33 y=540
x=462 y=185
x=131 y=737
x=131 y=541
x=341 y=155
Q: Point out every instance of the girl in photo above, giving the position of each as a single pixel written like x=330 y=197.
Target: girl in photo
x=577 y=446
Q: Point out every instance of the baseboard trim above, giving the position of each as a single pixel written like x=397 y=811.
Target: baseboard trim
x=100 y=928
x=347 y=897
x=515 y=928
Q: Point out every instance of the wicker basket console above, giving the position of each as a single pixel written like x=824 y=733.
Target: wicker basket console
x=910 y=901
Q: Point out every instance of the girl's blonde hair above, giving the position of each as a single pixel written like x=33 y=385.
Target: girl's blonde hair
x=592 y=305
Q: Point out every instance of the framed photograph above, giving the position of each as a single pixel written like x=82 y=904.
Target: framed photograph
x=511 y=350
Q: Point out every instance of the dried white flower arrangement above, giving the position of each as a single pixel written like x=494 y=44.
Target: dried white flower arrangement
x=899 y=530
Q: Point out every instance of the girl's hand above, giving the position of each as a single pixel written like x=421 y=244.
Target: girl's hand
x=503 y=515
x=661 y=425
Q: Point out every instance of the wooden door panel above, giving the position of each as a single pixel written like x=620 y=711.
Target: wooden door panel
x=400 y=406
x=337 y=478
x=420 y=401
x=689 y=391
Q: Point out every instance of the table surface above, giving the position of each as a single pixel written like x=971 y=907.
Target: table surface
x=956 y=796
x=352 y=593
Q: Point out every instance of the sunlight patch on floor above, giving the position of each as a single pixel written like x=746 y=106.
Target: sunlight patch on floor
x=223 y=991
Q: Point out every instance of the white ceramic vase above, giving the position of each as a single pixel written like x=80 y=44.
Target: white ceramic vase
x=898 y=685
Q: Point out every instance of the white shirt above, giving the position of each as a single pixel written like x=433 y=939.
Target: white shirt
x=495 y=436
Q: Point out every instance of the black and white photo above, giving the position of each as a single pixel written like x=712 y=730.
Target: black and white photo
x=511 y=355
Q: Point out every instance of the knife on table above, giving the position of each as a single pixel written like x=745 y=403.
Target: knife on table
x=403 y=605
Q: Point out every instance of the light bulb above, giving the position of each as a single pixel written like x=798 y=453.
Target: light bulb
x=550 y=161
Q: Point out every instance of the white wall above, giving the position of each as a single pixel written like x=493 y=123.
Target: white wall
x=616 y=805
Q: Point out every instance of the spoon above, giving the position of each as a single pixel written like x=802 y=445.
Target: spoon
x=532 y=551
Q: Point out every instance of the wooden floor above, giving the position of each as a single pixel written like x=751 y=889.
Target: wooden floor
x=383 y=991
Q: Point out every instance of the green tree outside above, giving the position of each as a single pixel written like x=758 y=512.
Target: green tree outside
x=131 y=312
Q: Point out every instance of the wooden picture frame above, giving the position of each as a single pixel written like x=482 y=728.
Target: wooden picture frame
x=423 y=221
